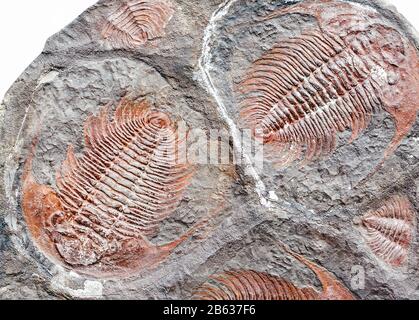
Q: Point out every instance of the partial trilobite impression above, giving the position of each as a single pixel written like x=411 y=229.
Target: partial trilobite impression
x=389 y=230
x=305 y=90
x=252 y=285
x=111 y=199
x=138 y=21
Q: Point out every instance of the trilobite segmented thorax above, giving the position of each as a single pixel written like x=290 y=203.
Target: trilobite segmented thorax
x=251 y=285
x=389 y=230
x=110 y=200
x=306 y=89
x=138 y=21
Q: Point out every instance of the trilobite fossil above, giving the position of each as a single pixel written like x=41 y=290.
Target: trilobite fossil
x=252 y=285
x=389 y=230
x=138 y=21
x=109 y=201
x=306 y=89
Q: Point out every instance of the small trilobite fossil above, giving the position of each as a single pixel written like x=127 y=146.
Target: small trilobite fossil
x=109 y=201
x=138 y=21
x=300 y=94
x=252 y=285
x=389 y=230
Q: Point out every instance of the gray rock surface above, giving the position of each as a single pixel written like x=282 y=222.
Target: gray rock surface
x=311 y=208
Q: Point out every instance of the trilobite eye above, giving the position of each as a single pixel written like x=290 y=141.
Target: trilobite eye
x=159 y=120
x=56 y=217
x=264 y=134
x=392 y=55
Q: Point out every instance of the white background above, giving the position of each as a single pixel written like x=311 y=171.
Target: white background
x=26 y=24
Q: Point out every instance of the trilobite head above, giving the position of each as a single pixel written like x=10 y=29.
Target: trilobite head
x=159 y=119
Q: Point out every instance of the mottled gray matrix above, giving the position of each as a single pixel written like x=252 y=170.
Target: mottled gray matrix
x=327 y=215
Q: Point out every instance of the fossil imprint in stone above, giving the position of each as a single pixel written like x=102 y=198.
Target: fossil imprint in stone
x=389 y=230
x=138 y=21
x=252 y=285
x=300 y=94
x=110 y=200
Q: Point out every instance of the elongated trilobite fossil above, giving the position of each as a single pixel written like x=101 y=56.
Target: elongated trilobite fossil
x=110 y=200
x=306 y=89
x=389 y=230
x=138 y=21
x=252 y=285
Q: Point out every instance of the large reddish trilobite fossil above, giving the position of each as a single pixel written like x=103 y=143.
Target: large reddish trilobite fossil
x=252 y=285
x=389 y=230
x=138 y=21
x=305 y=90
x=110 y=200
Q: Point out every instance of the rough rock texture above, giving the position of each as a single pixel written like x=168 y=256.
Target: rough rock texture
x=190 y=71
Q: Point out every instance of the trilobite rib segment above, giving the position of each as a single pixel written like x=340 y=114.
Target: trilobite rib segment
x=305 y=90
x=389 y=230
x=251 y=285
x=138 y=21
x=127 y=181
